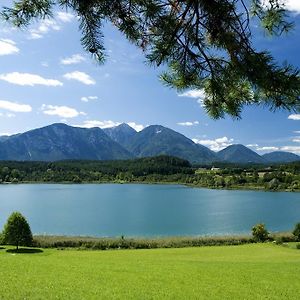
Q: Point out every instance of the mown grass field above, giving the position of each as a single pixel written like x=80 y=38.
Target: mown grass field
x=255 y=271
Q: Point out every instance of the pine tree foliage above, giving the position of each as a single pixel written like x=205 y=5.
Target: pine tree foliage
x=203 y=44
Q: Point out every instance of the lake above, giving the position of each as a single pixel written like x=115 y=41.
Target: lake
x=146 y=210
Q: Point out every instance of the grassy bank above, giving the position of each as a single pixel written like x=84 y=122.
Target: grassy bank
x=92 y=243
x=253 y=271
x=136 y=243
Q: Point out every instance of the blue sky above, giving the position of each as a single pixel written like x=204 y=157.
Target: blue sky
x=46 y=77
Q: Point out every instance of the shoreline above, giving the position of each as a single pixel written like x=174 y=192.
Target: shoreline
x=234 y=188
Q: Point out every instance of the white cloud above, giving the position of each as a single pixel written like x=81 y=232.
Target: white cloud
x=298 y=131
x=47 y=25
x=268 y=148
x=84 y=99
x=6 y=134
x=74 y=59
x=217 y=144
x=88 y=98
x=293 y=5
x=8 y=47
x=296 y=139
x=137 y=127
x=45 y=64
x=293 y=149
x=28 y=79
x=10 y=115
x=61 y=111
x=81 y=77
x=101 y=124
x=34 y=35
x=188 y=123
x=295 y=117
x=44 y=27
x=6 y=28
x=195 y=94
x=7 y=115
x=252 y=145
x=108 y=124
x=65 y=17
x=14 y=107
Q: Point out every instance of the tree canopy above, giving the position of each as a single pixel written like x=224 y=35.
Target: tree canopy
x=17 y=231
x=204 y=44
x=260 y=233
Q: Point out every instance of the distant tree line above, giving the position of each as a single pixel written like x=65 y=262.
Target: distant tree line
x=155 y=169
x=281 y=177
x=77 y=170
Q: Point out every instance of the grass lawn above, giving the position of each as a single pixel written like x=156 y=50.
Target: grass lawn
x=255 y=271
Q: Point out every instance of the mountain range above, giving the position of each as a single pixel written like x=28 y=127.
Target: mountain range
x=60 y=141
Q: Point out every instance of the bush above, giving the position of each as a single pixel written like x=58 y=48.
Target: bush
x=283 y=239
x=298 y=246
x=296 y=231
x=260 y=233
x=17 y=231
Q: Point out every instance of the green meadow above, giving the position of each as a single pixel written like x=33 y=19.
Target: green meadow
x=252 y=271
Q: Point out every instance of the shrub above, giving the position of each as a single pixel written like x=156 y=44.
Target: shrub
x=260 y=233
x=281 y=238
x=298 y=246
x=17 y=231
x=296 y=231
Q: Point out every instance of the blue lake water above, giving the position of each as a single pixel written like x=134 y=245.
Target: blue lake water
x=146 y=210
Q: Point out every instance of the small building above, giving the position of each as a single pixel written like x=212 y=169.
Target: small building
x=215 y=169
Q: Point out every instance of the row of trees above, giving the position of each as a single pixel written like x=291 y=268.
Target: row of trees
x=92 y=170
x=153 y=169
x=271 y=180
